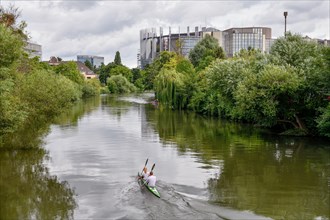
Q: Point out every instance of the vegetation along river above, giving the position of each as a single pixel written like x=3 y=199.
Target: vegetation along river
x=206 y=168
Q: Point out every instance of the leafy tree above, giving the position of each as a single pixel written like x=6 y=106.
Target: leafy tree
x=104 y=72
x=139 y=78
x=9 y=17
x=265 y=98
x=91 y=88
x=323 y=122
x=185 y=66
x=122 y=70
x=206 y=50
x=312 y=64
x=54 y=93
x=120 y=84
x=70 y=70
x=293 y=50
x=169 y=87
x=117 y=60
x=11 y=46
x=13 y=111
x=167 y=59
x=89 y=65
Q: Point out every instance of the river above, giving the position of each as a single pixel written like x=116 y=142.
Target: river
x=206 y=168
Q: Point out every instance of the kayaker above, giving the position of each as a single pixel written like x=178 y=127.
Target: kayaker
x=145 y=174
x=151 y=180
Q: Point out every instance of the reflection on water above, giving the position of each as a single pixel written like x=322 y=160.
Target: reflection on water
x=279 y=177
x=27 y=191
x=206 y=168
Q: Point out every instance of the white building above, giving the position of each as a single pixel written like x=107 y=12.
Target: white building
x=33 y=50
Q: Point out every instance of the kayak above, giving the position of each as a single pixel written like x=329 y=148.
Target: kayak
x=153 y=190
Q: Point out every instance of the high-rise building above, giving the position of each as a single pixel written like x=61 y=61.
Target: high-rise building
x=96 y=61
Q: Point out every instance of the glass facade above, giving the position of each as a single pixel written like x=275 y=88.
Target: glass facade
x=188 y=43
x=94 y=60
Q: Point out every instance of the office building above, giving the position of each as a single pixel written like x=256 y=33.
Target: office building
x=96 y=61
x=231 y=40
x=236 y=39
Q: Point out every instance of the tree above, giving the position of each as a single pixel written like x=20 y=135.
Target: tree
x=312 y=64
x=11 y=46
x=104 y=72
x=117 y=60
x=70 y=70
x=8 y=17
x=265 y=98
x=122 y=70
x=167 y=84
x=119 y=84
x=89 y=65
x=207 y=49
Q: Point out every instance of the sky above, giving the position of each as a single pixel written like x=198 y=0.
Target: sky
x=69 y=28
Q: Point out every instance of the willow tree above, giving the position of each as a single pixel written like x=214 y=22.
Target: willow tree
x=168 y=86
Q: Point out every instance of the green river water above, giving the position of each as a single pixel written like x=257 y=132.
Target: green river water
x=85 y=166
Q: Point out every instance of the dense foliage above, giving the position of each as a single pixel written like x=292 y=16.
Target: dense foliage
x=117 y=78
x=287 y=89
x=32 y=91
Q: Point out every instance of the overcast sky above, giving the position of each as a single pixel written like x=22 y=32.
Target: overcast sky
x=68 y=28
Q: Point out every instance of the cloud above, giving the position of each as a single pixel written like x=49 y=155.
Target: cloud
x=67 y=28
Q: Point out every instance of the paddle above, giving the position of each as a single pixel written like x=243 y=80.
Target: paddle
x=145 y=165
x=153 y=166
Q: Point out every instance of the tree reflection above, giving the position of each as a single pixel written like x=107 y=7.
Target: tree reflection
x=279 y=177
x=72 y=115
x=27 y=190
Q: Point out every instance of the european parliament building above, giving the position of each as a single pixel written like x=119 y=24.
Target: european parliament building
x=231 y=40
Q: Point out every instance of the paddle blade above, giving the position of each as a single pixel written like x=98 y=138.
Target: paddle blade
x=146 y=162
x=153 y=166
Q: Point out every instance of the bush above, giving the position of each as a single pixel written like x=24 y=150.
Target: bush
x=10 y=46
x=54 y=94
x=119 y=84
x=323 y=122
x=91 y=88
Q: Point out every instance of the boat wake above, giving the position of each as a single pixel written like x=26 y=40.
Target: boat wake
x=138 y=203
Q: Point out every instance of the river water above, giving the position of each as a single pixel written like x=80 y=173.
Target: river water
x=206 y=168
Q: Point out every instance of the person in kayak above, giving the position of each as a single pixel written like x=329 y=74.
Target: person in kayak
x=145 y=174
x=151 y=180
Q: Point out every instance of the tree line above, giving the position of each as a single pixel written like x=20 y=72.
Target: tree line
x=32 y=91
x=287 y=90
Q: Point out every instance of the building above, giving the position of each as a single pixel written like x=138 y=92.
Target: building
x=324 y=42
x=33 y=50
x=236 y=39
x=231 y=40
x=83 y=69
x=96 y=61
x=151 y=43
